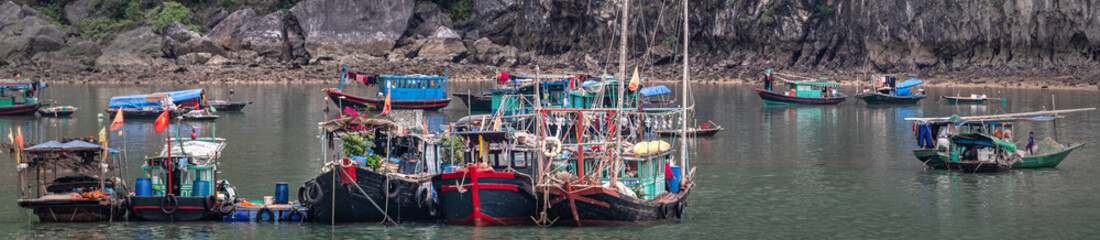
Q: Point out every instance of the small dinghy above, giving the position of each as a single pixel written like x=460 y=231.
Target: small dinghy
x=199 y=115
x=58 y=111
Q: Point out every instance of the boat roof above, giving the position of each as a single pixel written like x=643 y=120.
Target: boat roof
x=8 y=84
x=202 y=149
x=411 y=77
x=138 y=101
x=184 y=95
x=1011 y=117
x=75 y=145
x=820 y=82
x=909 y=83
x=655 y=91
x=351 y=124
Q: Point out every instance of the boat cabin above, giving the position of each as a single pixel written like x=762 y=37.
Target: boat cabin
x=518 y=95
x=496 y=149
x=818 y=89
x=15 y=93
x=412 y=87
x=189 y=172
x=71 y=181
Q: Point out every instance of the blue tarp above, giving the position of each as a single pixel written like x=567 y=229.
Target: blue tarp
x=655 y=91
x=75 y=145
x=909 y=83
x=184 y=95
x=132 y=102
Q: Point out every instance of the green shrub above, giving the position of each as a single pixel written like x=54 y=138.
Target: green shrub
x=766 y=17
x=101 y=27
x=671 y=40
x=457 y=9
x=824 y=11
x=167 y=13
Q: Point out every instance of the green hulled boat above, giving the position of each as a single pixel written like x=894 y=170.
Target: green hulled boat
x=1047 y=159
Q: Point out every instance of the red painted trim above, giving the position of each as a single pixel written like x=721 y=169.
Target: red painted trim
x=396 y=104
x=483 y=173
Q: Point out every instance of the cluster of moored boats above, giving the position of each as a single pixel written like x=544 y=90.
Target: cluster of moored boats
x=570 y=149
x=972 y=144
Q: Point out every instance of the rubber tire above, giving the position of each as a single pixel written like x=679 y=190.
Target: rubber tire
x=312 y=186
x=391 y=193
x=227 y=209
x=295 y=212
x=680 y=207
x=211 y=203
x=164 y=205
x=260 y=214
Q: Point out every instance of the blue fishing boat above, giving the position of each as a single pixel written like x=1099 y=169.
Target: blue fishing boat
x=405 y=92
x=143 y=106
x=19 y=97
x=897 y=94
x=180 y=184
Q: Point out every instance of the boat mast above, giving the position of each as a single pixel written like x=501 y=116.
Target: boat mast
x=622 y=86
x=684 y=102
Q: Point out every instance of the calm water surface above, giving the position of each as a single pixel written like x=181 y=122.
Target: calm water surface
x=837 y=172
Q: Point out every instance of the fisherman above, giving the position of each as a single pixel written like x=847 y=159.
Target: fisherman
x=668 y=176
x=768 y=80
x=1030 y=143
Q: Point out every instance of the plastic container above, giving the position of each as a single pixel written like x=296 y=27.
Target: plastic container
x=201 y=188
x=281 y=193
x=954 y=157
x=268 y=200
x=674 y=186
x=110 y=192
x=143 y=187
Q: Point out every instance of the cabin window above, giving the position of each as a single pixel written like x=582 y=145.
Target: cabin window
x=498 y=161
x=519 y=159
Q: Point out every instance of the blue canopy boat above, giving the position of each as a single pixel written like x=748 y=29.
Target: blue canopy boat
x=143 y=106
x=898 y=94
x=19 y=97
x=652 y=99
x=187 y=98
x=406 y=92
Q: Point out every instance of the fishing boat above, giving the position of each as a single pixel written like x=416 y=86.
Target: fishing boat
x=804 y=92
x=181 y=184
x=19 y=97
x=384 y=178
x=404 y=92
x=495 y=186
x=190 y=99
x=71 y=182
x=708 y=129
x=653 y=97
x=984 y=143
x=57 y=111
x=476 y=102
x=143 y=106
x=973 y=99
x=890 y=95
x=199 y=115
x=223 y=105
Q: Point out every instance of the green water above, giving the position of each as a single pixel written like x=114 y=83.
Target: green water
x=837 y=172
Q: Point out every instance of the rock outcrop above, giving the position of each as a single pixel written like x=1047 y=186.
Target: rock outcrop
x=25 y=32
x=136 y=48
x=181 y=41
x=352 y=29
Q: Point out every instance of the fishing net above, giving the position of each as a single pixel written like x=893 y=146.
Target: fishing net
x=1047 y=145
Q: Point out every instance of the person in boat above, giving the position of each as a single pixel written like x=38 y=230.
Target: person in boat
x=1030 y=143
x=668 y=175
x=768 y=80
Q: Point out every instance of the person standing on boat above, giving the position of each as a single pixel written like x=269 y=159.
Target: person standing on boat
x=668 y=175
x=768 y=80
x=1030 y=143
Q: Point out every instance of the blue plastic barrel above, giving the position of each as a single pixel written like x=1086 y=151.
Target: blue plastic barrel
x=201 y=188
x=110 y=192
x=281 y=193
x=143 y=187
x=675 y=184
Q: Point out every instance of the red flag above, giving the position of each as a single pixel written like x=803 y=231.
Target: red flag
x=117 y=123
x=162 y=122
x=386 y=107
x=19 y=139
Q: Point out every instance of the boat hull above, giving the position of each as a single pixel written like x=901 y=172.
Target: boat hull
x=19 y=109
x=189 y=209
x=774 y=98
x=143 y=114
x=1047 y=160
x=599 y=206
x=958 y=100
x=484 y=197
x=698 y=132
x=476 y=102
x=230 y=106
x=377 y=103
x=974 y=166
x=883 y=99
x=74 y=210
x=351 y=205
x=931 y=158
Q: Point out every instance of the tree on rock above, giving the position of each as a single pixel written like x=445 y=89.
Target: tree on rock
x=169 y=12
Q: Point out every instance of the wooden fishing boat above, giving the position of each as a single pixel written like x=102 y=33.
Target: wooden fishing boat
x=654 y=97
x=496 y=190
x=806 y=92
x=223 y=105
x=352 y=190
x=19 y=97
x=199 y=115
x=965 y=100
x=707 y=130
x=57 y=111
x=899 y=94
x=478 y=102
x=406 y=92
x=958 y=142
x=80 y=191
x=182 y=185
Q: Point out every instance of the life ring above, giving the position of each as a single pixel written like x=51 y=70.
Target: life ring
x=290 y=216
x=313 y=192
x=392 y=191
x=555 y=149
x=166 y=200
x=265 y=215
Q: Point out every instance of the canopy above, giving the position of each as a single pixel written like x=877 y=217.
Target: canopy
x=184 y=95
x=75 y=145
x=909 y=83
x=353 y=124
x=138 y=101
x=655 y=91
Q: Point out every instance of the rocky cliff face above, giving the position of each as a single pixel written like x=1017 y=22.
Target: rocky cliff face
x=728 y=37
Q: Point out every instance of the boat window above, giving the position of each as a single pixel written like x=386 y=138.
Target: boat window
x=498 y=161
x=519 y=159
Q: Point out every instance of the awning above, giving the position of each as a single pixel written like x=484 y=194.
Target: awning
x=655 y=91
x=184 y=95
x=137 y=101
x=75 y=145
x=909 y=83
